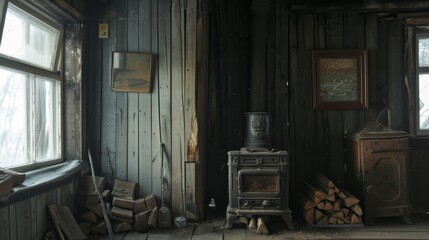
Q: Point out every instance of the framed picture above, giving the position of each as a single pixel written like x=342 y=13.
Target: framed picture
x=340 y=79
x=132 y=72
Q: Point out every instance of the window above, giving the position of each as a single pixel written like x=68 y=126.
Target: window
x=30 y=88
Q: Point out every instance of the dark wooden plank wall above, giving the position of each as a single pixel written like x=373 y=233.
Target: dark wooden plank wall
x=127 y=129
x=314 y=139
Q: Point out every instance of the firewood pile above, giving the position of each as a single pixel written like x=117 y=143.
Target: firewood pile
x=324 y=203
x=125 y=211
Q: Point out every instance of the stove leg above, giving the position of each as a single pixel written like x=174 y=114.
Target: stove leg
x=230 y=217
x=288 y=220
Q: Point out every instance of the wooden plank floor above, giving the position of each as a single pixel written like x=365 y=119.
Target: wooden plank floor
x=384 y=228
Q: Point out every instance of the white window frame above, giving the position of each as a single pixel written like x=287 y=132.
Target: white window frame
x=56 y=74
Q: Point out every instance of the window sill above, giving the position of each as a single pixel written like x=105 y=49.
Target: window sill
x=42 y=180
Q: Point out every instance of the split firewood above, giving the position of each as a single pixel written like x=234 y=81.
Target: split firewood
x=122 y=227
x=243 y=220
x=332 y=219
x=96 y=208
x=153 y=218
x=305 y=202
x=328 y=206
x=6 y=184
x=119 y=219
x=318 y=214
x=124 y=189
x=123 y=203
x=345 y=211
x=356 y=209
x=340 y=221
x=308 y=215
x=89 y=216
x=139 y=205
x=321 y=205
x=86 y=185
x=311 y=191
x=99 y=228
x=141 y=221
x=85 y=227
x=350 y=200
x=328 y=190
x=347 y=220
x=323 y=220
x=336 y=206
x=354 y=218
x=150 y=202
x=91 y=200
x=331 y=198
x=340 y=215
x=122 y=213
x=107 y=195
x=325 y=181
x=341 y=194
x=252 y=223
x=337 y=190
x=261 y=226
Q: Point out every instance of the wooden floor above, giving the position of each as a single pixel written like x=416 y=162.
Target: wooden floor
x=384 y=228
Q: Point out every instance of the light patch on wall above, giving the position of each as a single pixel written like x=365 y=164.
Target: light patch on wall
x=103 y=30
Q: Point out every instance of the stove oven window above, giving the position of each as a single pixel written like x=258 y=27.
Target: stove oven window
x=260 y=183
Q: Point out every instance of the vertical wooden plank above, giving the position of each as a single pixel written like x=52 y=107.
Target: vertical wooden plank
x=121 y=141
x=164 y=46
x=12 y=222
x=41 y=204
x=23 y=219
x=177 y=109
x=334 y=35
x=33 y=209
x=371 y=26
x=133 y=98
x=145 y=105
x=108 y=107
x=4 y=223
x=190 y=107
x=398 y=98
x=156 y=138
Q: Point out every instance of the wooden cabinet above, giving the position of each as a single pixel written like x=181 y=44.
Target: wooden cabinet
x=376 y=172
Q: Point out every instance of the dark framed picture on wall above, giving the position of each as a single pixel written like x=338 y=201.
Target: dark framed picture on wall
x=340 y=79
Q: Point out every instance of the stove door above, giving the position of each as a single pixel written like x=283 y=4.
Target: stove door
x=259 y=182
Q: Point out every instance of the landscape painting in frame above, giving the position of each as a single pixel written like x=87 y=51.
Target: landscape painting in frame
x=339 y=79
x=132 y=72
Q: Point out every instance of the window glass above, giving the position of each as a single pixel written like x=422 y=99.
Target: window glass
x=28 y=39
x=423 y=52
x=424 y=101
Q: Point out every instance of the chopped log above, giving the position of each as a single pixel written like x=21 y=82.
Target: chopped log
x=322 y=220
x=308 y=215
x=141 y=221
x=337 y=190
x=325 y=181
x=139 y=205
x=328 y=206
x=336 y=206
x=305 y=202
x=347 y=220
x=6 y=184
x=345 y=211
x=340 y=221
x=331 y=198
x=96 y=208
x=261 y=226
x=252 y=224
x=86 y=185
x=99 y=228
x=350 y=200
x=356 y=209
x=340 y=214
x=244 y=220
x=122 y=227
x=310 y=191
x=85 y=227
x=119 y=219
x=354 y=218
x=89 y=216
x=91 y=200
x=123 y=203
x=153 y=218
x=122 y=213
x=17 y=177
x=332 y=219
x=318 y=214
x=341 y=194
x=321 y=205
x=64 y=223
x=150 y=202
x=124 y=189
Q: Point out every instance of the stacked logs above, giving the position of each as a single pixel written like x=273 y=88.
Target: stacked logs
x=126 y=213
x=325 y=203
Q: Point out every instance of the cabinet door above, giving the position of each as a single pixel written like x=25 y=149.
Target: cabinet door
x=385 y=179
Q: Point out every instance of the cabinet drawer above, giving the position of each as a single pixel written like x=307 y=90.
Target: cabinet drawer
x=259 y=160
x=384 y=145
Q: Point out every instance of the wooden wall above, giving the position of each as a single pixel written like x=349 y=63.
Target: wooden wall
x=29 y=219
x=126 y=129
